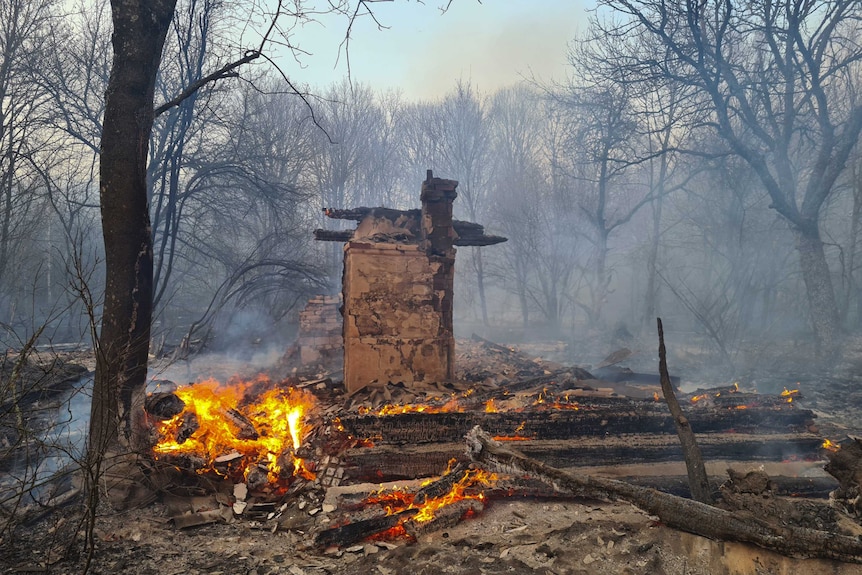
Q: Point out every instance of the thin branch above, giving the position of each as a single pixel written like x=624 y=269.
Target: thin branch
x=226 y=71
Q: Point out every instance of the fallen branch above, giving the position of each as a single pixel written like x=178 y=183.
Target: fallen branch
x=698 y=481
x=677 y=512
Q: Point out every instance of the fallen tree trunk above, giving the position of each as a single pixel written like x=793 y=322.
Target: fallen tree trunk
x=685 y=514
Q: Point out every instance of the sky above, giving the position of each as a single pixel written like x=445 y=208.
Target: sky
x=423 y=53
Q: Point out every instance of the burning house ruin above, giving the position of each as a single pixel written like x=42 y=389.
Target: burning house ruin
x=399 y=270
x=302 y=453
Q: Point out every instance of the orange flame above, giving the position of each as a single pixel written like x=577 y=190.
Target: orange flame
x=789 y=394
x=827 y=444
x=490 y=406
x=397 y=500
x=451 y=405
x=261 y=431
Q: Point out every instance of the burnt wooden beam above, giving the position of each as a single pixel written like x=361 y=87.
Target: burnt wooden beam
x=629 y=417
x=333 y=235
x=358 y=530
x=479 y=241
x=469 y=233
x=677 y=512
x=393 y=463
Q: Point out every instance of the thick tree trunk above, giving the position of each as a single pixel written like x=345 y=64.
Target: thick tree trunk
x=818 y=286
x=116 y=425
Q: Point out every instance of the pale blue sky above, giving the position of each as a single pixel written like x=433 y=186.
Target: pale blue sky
x=423 y=53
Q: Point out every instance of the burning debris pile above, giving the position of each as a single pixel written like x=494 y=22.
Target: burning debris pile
x=245 y=431
x=303 y=455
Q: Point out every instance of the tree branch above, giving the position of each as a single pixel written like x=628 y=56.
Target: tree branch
x=227 y=71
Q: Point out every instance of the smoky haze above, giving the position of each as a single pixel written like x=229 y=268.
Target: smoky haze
x=620 y=198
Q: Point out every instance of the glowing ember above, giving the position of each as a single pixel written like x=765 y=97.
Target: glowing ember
x=830 y=446
x=267 y=431
x=700 y=397
x=789 y=394
x=451 y=405
x=397 y=500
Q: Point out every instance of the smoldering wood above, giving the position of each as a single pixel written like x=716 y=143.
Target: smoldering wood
x=164 y=405
x=677 y=512
x=187 y=427
x=609 y=416
x=245 y=428
x=697 y=478
x=358 y=530
x=845 y=465
x=444 y=517
x=441 y=486
x=398 y=462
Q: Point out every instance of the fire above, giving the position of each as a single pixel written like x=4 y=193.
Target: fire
x=700 y=397
x=827 y=444
x=264 y=431
x=490 y=406
x=398 y=500
x=451 y=405
x=789 y=394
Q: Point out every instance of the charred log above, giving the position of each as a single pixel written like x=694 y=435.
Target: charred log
x=358 y=530
x=245 y=428
x=440 y=487
x=391 y=463
x=187 y=427
x=688 y=515
x=164 y=406
x=589 y=419
x=444 y=517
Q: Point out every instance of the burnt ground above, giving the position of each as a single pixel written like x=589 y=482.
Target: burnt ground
x=517 y=536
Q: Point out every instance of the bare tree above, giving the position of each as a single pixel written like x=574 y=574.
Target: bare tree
x=24 y=107
x=774 y=76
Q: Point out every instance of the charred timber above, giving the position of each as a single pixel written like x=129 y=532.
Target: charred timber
x=469 y=233
x=677 y=512
x=440 y=487
x=463 y=240
x=358 y=530
x=420 y=428
x=333 y=235
x=391 y=463
x=358 y=214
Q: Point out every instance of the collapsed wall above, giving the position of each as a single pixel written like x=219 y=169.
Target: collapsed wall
x=320 y=340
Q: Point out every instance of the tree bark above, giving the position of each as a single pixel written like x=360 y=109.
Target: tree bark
x=117 y=415
x=822 y=305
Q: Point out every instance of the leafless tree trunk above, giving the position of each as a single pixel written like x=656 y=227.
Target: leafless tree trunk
x=116 y=423
x=775 y=76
